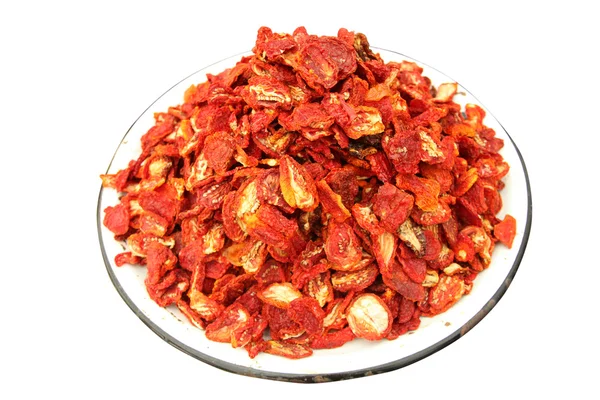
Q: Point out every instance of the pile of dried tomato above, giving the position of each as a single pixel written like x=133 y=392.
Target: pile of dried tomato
x=310 y=195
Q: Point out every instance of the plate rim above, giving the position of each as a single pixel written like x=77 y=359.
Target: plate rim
x=326 y=377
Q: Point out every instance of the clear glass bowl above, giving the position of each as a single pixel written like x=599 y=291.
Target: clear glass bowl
x=358 y=357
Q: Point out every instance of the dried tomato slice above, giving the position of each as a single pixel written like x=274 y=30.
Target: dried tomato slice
x=270 y=226
x=320 y=288
x=266 y=91
x=332 y=202
x=269 y=190
x=345 y=281
x=160 y=259
x=392 y=206
x=127 y=258
x=324 y=61
x=218 y=151
x=395 y=278
x=279 y=295
x=287 y=350
x=232 y=228
x=297 y=185
x=223 y=328
x=447 y=292
x=414 y=268
x=426 y=191
x=342 y=246
x=369 y=317
x=249 y=254
x=206 y=308
x=332 y=340
x=117 y=218
x=384 y=248
x=270 y=272
x=506 y=230
x=307 y=312
x=344 y=182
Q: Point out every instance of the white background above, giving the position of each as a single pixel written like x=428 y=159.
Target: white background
x=73 y=78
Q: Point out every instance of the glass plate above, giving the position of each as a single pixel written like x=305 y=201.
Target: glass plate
x=358 y=357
